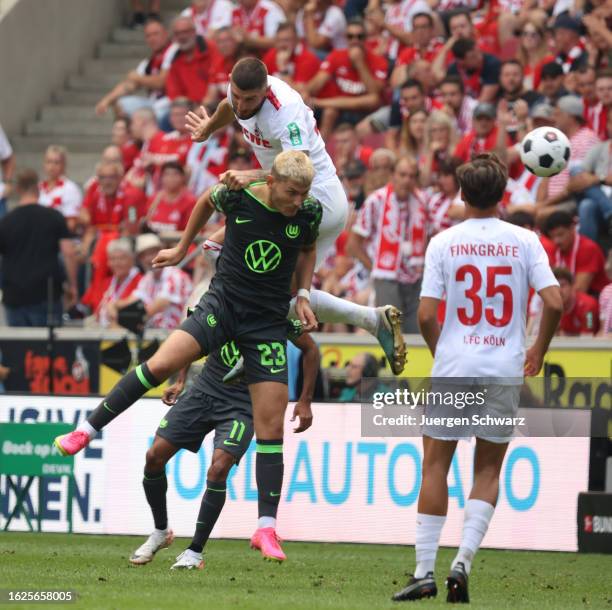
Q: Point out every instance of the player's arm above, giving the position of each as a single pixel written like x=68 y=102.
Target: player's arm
x=319 y=80
x=311 y=359
x=69 y=254
x=552 y=311
x=304 y=271
x=428 y=322
x=172 y=392
x=125 y=87
x=200 y=215
x=349 y=102
x=202 y=126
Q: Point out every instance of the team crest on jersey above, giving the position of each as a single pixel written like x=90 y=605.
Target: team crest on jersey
x=292 y=231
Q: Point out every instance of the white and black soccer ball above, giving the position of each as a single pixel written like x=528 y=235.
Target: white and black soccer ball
x=545 y=151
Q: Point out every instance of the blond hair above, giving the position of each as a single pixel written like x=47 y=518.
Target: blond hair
x=439 y=118
x=55 y=149
x=121 y=244
x=293 y=165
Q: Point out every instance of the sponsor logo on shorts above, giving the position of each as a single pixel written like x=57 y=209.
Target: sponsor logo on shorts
x=163 y=423
x=211 y=320
x=230 y=443
x=295 y=136
x=262 y=256
x=292 y=231
x=275 y=370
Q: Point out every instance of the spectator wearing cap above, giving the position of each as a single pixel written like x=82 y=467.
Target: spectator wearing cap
x=121 y=284
x=57 y=191
x=228 y=51
x=571 y=52
x=208 y=16
x=389 y=238
x=552 y=84
x=32 y=237
x=479 y=71
x=358 y=79
x=533 y=53
x=164 y=292
x=321 y=25
x=254 y=22
x=569 y=118
x=591 y=183
x=290 y=60
x=577 y=253
x=150 y=75
x=189 y=71
x=580 y=310
x=599 y=113
x=457 y=104
x=170 y=207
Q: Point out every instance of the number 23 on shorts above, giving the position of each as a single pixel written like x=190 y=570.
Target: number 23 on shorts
x=273 y=356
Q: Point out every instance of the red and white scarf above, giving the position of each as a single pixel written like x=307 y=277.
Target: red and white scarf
x=567 y=59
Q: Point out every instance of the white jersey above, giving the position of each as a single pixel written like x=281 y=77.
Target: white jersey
x=217 y=15
x=284 y=122
x=485 y=268
x=65 y=196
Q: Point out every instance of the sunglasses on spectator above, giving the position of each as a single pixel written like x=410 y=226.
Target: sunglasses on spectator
x=356 y=36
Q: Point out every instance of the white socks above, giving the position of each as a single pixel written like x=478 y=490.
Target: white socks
x=428 y=529
x=329 y=308
x=476 y=521
x=86 y=427
x=266 y=522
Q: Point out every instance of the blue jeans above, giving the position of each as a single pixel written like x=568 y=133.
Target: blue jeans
x=33 y=315
x=594 y=210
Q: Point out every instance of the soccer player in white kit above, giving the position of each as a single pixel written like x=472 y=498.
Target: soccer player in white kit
x=273 y=118
x=484 y=268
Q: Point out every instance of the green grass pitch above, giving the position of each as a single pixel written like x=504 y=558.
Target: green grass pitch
x=348 y=576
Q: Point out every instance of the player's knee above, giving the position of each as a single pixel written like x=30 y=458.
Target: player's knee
x=220 y=466
x=156 y=459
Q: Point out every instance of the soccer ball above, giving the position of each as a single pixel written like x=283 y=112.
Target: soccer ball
x=545 y=151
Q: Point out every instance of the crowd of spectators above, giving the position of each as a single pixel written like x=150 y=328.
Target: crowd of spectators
x=404 y=91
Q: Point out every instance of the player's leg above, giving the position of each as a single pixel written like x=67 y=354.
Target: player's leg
x=155 y=486
x=197 y=335
x=431 y=515
x=269 y=404
x=488 y=460
x=232 y=439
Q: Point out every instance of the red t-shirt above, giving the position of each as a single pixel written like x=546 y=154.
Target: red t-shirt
x=346 y=80
x=411 y=54
x=583 y=318
x=164 y=147
x=220 y=68
x=189 y=72
x=302 y=66
x=470 y=145
x=170 y=215
x=585 y=256
x=129 y=152
x=128 y=204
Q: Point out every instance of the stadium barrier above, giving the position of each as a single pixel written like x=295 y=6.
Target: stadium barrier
x=339 y=486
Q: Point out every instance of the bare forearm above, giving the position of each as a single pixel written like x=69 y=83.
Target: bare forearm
x=548 y=328
x=200 y=215
x=356 y=249
x=359 y=102
x=310 y=366
x=372 y=84
x=313 y=37
x=222 y=117
x=8 y=168
x=305 y=266
x=157 y=306
x=430 y=329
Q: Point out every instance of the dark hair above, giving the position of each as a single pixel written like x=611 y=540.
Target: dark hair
x=562 y=273
x=512 y=62
x=173 y=165
x=154 y=19
x=426 y=15
x=413 y=82
x=370 y=366
x=27 y=181
x=559 y=219
x=250 y=73
x=446 y=167
x=456 y=13
x=604 y=73
x=551 y=70
x=453 y=80
x=286 y=25
x=483 y=180
x=522 y=219
x=356 y=21
x=462 y=47
x=181 y=102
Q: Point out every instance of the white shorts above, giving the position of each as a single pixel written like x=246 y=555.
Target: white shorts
x=335 y=213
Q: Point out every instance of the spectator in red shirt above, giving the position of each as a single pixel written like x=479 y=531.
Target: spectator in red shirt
x=479 y=71
x=255 y=22
x=169 y=209
x=483 y=136
x=189 y=72
x=358 y=76
x=347 y=147
x=580 y=310
x=578 y=253
x=533 y=53
x=571 y=52
x=120 y=137
x=599 y=114
x=229 y=51
x=290 y=60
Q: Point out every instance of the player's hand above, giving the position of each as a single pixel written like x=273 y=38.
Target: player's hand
x=168 y=257
x=197 y=124
x=171 y=393
x=305 y=315
x=534 y=359
x=236 y=179
x=304 y=412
